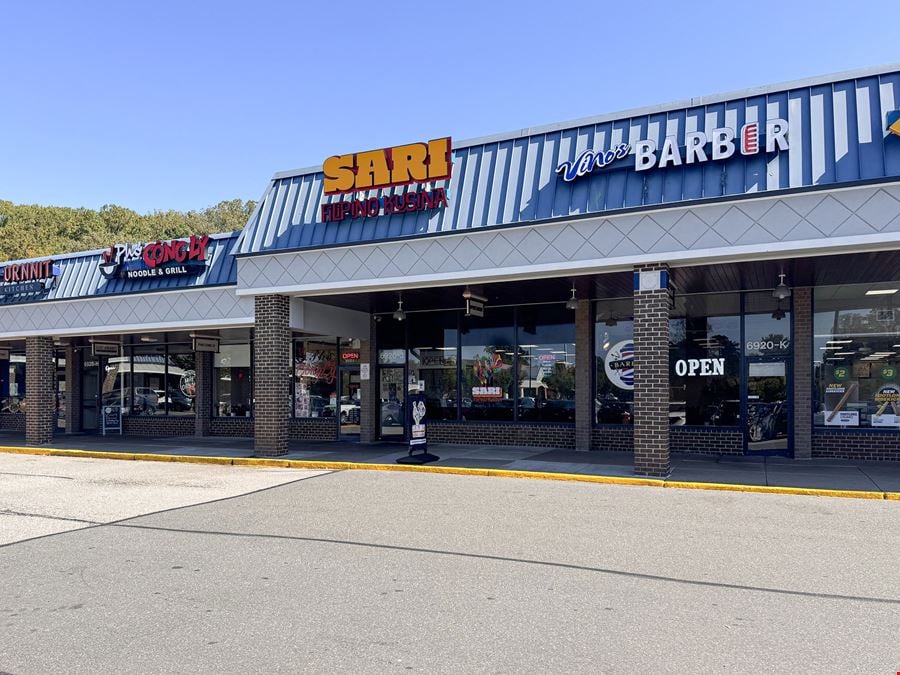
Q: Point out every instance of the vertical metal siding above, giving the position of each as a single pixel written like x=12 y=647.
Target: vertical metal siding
x=837 y=135
x=80 y=275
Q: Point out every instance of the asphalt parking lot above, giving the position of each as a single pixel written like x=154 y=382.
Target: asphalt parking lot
x=285 y=570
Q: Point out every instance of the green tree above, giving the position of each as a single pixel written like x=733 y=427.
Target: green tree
x=29 y=230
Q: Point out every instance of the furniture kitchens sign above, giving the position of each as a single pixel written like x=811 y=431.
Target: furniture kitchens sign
x=385 y=168
x=27 y=281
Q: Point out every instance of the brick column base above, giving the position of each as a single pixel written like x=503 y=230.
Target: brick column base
x=651 y=377
x=203 y=364
x=40 y=398
x=272 y=373
x=802 y=343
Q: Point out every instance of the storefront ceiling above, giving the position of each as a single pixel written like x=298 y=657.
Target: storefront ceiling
x=814 y=271
x=854 y=268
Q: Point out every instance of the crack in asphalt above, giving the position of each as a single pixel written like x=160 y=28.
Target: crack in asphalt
x=524 y=561
x=10 y=512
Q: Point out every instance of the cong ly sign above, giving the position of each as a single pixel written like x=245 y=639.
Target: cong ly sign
x=699 y=147
x=175 y=257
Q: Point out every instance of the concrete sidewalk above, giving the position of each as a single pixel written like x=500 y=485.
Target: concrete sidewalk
x=827 y=474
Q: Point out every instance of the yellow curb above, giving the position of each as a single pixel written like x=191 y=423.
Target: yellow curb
x=454 y=470
x=199 y=459
x=150 y=457
x=776 y=490
x=90 y=454
x=259 y=461
x=25 y=451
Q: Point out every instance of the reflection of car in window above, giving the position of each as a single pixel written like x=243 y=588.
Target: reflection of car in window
x=349 y=410
x=614 y=411
x=175 y=398
x=391 y=413
x=766 y=420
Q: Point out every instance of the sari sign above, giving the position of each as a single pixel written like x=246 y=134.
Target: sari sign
x=387 y=168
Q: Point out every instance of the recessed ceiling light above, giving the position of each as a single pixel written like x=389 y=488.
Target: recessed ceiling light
x=528 y=346
x=882 y=291
x=844 y=353
x=835 y=358
x=838 y=342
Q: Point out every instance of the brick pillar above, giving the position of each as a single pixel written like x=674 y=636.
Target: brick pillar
x=40 y=401
x=584 y=381
x=203 y=364
x=272 y=372
x=651 y=371
x=73 y=390
x=802 y=346
x=368 y=390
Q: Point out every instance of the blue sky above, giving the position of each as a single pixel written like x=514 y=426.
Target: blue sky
x=159 y=105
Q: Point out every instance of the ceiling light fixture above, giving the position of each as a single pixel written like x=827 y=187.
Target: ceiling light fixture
x=572 y=303
x=399 y=314
x=882 y=291
x=148 y=338
x=781 y=292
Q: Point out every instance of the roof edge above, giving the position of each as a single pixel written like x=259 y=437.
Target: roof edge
x=709 y=99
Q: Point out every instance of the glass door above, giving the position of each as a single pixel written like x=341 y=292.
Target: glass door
x=61 y=391
x=767 y=427
x=90 y=395
x=391 y=381
x=348 y=403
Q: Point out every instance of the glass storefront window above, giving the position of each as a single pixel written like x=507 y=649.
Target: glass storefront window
x=546 y=363
x=148 y=376
x=487 y=366
x=116 y=389
x=614 y=367
x=315 y=376
x=767 y=325
x=432 y=364
x=181 y=380
x=705 y=360
x=60 y=390
x=12 y=385
x=856 y=345
x=232 y=384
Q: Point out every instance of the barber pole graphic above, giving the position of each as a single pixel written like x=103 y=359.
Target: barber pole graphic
x=750 y=138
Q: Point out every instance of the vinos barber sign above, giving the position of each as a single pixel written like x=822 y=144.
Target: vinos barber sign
x=720 y=143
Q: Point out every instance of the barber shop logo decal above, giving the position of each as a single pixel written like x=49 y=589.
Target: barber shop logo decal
x=619 y=364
